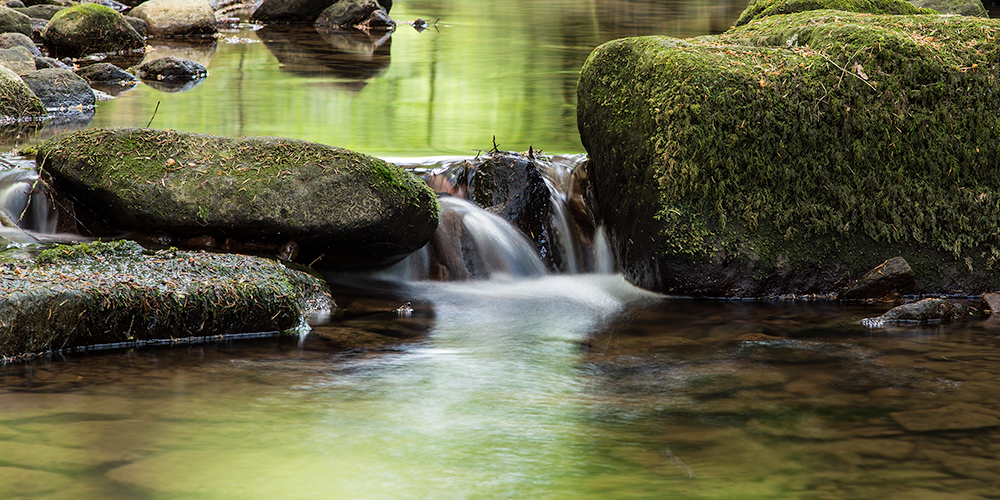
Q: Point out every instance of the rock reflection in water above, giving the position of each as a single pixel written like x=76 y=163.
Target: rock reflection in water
x=350 y=56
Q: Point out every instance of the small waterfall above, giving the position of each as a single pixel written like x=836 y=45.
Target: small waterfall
x=470 y=243
x=564 y=237
x=24 y=202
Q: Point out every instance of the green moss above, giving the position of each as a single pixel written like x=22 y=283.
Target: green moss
x=818 y=134
x=759 y=9
x=62 y=254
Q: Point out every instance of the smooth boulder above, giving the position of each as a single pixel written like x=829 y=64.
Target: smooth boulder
x=11 y=40
x=798 y=151
x=12 y=21
x=344 y=210
x=61 y=90
x=355 y=14
x=290 y=11
x=88 y=29
x=176 y=17
x=17 y=59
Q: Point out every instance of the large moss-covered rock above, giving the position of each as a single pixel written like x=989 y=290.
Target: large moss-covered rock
x=99 y=293
x=797 y=151
x=17 y=102
x=759 y=9
x=344 y=208
x=90 y=28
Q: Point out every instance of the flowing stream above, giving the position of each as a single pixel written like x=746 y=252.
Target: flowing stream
x=527 y=380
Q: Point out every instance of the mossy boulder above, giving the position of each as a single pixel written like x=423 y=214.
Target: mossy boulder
x=17 y=102
x=12 y=21
x=100 y=293
x=796 y=152
x=90 y=28
x=343 y=209
x=759 y=9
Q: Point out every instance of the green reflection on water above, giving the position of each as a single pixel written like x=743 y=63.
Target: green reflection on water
x=489 y=68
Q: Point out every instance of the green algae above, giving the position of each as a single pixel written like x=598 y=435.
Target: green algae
x=113 y=292
x=827 y=136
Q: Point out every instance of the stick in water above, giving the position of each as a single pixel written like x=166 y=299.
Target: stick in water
x=154 y=114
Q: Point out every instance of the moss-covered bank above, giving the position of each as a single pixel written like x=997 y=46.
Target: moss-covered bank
x=344 y=209
x=796 y=151
x=98 y=293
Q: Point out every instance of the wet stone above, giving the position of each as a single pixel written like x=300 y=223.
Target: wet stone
x=943 y=419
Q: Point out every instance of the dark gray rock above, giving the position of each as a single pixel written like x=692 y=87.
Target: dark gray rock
x=48 y=62
x=290 y=11
x=60 y=90
x=352 y=13
x=171 y=68
x=511 y=186
x=14 y=4
x=345 y=210
x=89 y=29
x=9 y=40
x=893 y=276
x=106 y=74
x=41 y=11
x=12 y=21
x=139 y=25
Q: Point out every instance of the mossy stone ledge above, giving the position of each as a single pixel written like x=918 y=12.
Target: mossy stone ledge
x=798 y=151
x=343 y=210
x=117 y=292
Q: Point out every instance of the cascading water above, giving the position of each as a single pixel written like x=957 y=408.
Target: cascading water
x=25 y=210
x=473 y=243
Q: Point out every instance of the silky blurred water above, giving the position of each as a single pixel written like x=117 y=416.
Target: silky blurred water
x=543 y=387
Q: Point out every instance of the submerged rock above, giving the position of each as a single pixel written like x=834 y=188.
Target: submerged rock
x=88 y=29
x=99 y=293
x=794 y=151
x=924 y=311
x=345 y=210
x=893 y=276
x=176 y=17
